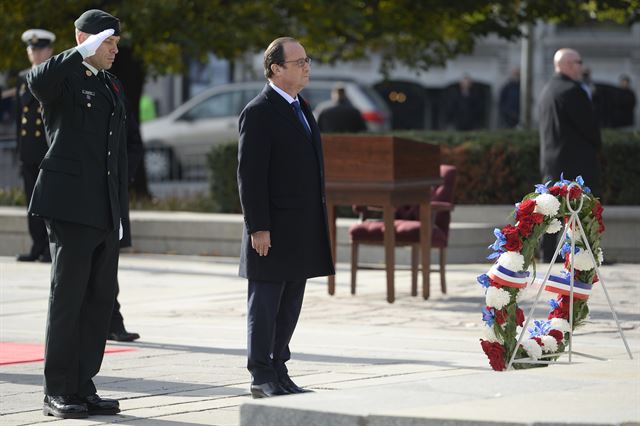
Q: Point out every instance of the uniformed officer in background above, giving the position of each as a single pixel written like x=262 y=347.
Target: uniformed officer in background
x=31 y=139
x=81 y=191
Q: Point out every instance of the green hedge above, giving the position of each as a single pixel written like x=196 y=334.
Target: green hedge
x=494 y=167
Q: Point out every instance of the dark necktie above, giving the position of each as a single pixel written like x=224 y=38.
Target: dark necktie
x=298 y=110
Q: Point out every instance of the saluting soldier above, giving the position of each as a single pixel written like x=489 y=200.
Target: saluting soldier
x=81 y=191
x=32 y=142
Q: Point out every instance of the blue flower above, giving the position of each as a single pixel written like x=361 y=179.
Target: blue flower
x=566 y=248
x=540 y=328
x=562 y=181
x=483 y=280
x=501 y=240
x=488 y=316
x=580 y=182
x=554 y=304
x=494 y=255
x=541 y=189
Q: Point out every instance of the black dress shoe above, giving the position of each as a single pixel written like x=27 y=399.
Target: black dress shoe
x=65 y=407
x=288 y=385
x=123 y=336
x=97 y=405
x=267 y=390
x=27 y=257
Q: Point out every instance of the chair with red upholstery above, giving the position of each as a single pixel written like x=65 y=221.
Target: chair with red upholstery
x=407 y=229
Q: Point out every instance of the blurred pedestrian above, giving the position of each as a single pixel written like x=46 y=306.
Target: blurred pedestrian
x=285 y=239
x=81 y=191
x=569 y=134
x=31 y=138
x=466 y=110
x=338 y=115
x=625 y=104
x=509 y=104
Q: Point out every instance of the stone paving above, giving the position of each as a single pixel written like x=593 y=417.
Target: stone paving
x=189 y=366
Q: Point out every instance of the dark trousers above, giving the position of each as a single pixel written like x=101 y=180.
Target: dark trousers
x=272 y=315
x=37 y=228
x=117 y=322
x=83 y=276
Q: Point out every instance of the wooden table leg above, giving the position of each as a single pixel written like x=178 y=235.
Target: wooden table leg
x=425 y=246
x=331 y=217
x=389 y=250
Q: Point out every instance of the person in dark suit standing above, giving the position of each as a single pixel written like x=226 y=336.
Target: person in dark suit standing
x=31 y=138
x=81 y=192
x=569 y=134
x=285 y=239
x=135 y=153
x=338 y=115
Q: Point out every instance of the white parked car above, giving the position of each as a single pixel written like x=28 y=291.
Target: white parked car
x=178 y=143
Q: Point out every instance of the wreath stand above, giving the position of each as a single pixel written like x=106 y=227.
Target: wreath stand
x=574 y=221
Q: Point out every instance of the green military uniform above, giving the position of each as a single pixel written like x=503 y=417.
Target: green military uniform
x=81 y=191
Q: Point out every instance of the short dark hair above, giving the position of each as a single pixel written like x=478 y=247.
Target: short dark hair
x=275 y=54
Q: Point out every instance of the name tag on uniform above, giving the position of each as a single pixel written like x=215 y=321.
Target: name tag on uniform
x=88 y=93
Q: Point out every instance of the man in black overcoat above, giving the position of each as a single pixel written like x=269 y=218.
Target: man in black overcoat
x=31 y=138
x=338 y=115
x=569 y=134
x=285 y=239
x=81 y=192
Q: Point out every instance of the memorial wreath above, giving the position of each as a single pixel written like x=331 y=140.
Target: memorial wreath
x=540 y=212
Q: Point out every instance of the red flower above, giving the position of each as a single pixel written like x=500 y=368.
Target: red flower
x=597 y=212
x=525 y=208
x=575 y=192
x=538 y=341
x=519 y=317
x=501 y=316
x=562 y=311
x=495 y=352
x=557 y=334
x=526 y=224
x=512 y=235
x=558 y=190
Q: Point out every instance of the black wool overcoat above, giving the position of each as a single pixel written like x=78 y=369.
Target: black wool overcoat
x=281 y=185
x=569 y=134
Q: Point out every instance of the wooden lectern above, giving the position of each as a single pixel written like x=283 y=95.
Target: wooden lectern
x=384 y=171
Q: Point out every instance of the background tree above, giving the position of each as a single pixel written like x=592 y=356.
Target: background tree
x=158 y=34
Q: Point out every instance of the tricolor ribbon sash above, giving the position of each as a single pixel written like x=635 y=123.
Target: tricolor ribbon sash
x=562 y=285
x=507 y=277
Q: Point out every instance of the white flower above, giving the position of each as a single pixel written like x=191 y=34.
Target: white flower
x=490 y=335
x=583 y=261
x=550 y=344
x=554 y=226
x=497 y=297
x=547 y=204
x=511 y=260
x=532 y=348
x=600 y=256
x=560 y=324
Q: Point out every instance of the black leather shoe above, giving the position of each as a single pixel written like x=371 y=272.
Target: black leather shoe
x=64 y=407
x=123 y=336
x=267 y=390
x=97 y=405
x=288 y=385
x=27 y=257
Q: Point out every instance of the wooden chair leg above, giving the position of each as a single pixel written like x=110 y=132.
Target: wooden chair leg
x=443 y=261
x=354 y=265
x=414 y=269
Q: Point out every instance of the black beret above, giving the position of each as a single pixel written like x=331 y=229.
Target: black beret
x=94 y=21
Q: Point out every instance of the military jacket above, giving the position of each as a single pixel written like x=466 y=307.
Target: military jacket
x=32 y=142
x=83 y=177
